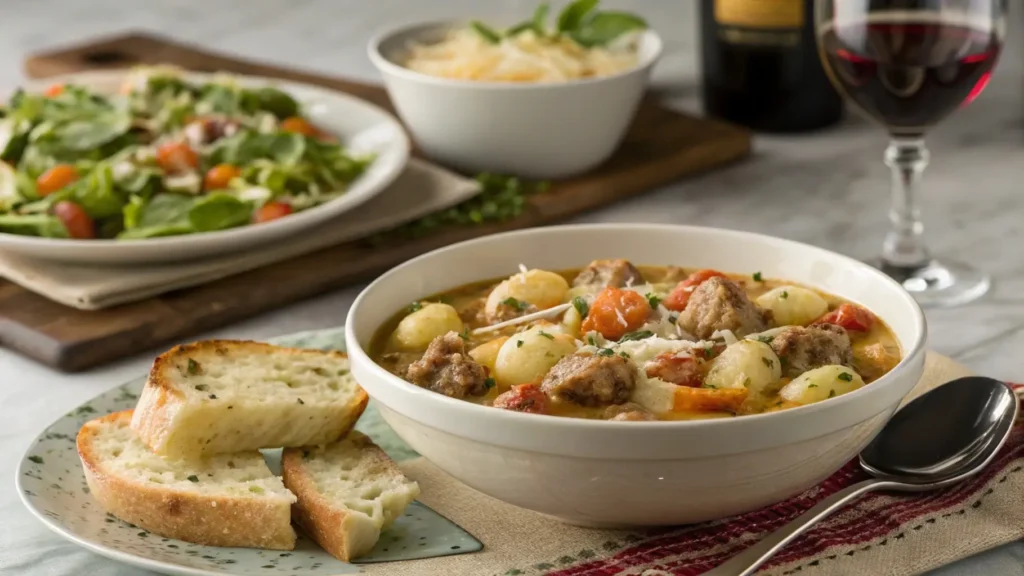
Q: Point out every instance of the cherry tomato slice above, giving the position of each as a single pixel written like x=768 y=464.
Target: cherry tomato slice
x=54 y=90
x=680 y=295
x=271 y=211
x=523 y=398
x=55 y=178
x=176 y=157
x=299 y=126
x=220 y=176
x=848 y=316
x=78 y=224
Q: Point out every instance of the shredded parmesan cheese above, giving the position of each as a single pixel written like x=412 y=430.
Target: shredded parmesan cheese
x=525 y=57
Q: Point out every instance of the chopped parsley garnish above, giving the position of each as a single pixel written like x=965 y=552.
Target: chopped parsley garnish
x=764 y=339
x=709 y=351
x=36 y=459
x=465 y=335
x=299 y=400
x=519 y=343
x=624 y=354
x=638 y=335
x=193 y=366
x=711 y=386
x=784 y=295
x=581 y=306
x=605 y=352
x=757 y=277
x=812 y=385
x=591 y=341
x=415 y=306
x=489 y=383
x=517 y=304
x=193 y=478
x=213 y=396
x=654 y=300
x=202 y=387
x=673 y=317
x=768 y=362
x=831 y=393
x=846 y=377
x=545 y=334
x=746 y=383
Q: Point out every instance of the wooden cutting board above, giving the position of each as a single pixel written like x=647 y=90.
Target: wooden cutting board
x=662 y=146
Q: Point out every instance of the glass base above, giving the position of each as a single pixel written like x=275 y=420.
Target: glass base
x=940 y=284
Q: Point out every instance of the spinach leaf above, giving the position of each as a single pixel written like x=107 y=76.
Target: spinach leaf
x=286 y=147
x=276 y=102
x=33 y=225
x=164 y=209
x=95 y=193
x=133 y=211
x=219 y=212
x=155 y=231
x=219 y=99
x=89 y=132
x=574 y=14
x=605 y=27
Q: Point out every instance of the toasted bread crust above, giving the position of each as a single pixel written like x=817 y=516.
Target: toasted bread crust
x=333 y=528
x=155 y=415
x=211 y=521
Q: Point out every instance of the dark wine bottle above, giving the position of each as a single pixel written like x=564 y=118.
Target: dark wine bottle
x=761 y=66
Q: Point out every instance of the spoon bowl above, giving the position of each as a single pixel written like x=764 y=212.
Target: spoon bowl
x=942 y=437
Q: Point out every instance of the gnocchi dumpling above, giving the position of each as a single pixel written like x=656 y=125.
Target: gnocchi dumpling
x=486 y=354
x=820 y=384
x=793 y=305
x=572 y=320
x=746 y=364
x=527 y=356
x=417 y=330
x=541 y=288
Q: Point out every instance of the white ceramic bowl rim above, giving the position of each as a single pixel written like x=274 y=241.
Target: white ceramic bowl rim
x=291 y=220
x=912 y=354
x=649 y=51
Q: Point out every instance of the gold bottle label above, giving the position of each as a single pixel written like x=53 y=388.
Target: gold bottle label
x=770 y=14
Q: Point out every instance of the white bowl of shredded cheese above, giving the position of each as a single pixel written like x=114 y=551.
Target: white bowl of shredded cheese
x=525 y=106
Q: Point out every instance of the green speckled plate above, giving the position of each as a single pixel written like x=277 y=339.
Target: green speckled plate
x=53 y=488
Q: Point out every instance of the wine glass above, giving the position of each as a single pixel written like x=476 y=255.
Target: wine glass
x=907 y=64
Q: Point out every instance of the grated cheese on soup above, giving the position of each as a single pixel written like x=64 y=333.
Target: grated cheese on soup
x=525 y=57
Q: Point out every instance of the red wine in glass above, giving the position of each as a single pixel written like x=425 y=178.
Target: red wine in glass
x=909 y=74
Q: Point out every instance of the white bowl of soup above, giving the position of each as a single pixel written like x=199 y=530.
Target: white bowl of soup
x=697 y=373
x=535 y=127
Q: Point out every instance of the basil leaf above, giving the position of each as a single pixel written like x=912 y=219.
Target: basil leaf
x=218 y=212
x=605 y=27
x=540 y=18
x=573 y=15
x=490 y=35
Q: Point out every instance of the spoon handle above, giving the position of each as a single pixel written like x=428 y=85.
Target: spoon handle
x=747 y=562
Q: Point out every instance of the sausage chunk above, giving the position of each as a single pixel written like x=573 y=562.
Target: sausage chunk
x=447 y=369
x=721 y=304
x=616 y=273
x=523 y=398
x=589 y=380
x=801 y=349
x=681 y=371
x=630 y=411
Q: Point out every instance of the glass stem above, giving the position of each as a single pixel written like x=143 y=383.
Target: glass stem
x=904 y=246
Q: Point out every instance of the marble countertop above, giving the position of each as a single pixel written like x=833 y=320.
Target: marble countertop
x=829 y=189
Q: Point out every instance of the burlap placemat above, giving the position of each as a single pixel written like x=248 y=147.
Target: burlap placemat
x=422 y=189
x=883 y=535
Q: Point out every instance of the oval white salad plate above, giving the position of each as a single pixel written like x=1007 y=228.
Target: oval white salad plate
x=360 y=126
x=50 y=483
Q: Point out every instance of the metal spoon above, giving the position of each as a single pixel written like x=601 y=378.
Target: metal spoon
x=940 y=438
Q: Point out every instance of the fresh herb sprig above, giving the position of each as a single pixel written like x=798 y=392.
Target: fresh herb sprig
x=501 y=198
x=579 y=20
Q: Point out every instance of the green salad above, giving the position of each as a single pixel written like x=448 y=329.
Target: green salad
x=165 y=157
